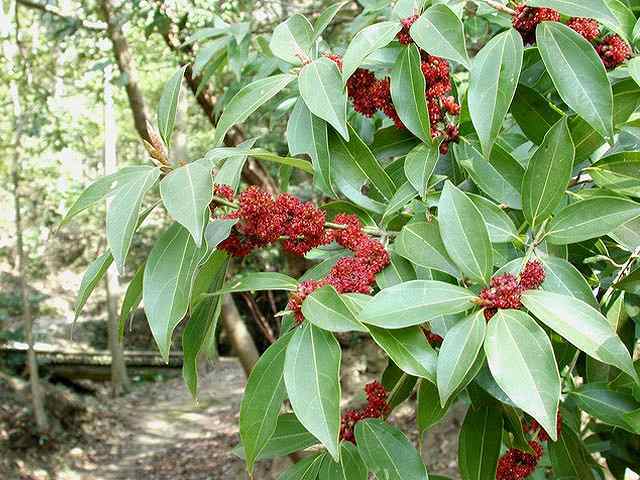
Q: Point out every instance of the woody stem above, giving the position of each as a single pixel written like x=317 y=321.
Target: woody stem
x=499 y=7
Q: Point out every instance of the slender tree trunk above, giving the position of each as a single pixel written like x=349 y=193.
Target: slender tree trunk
x=119 y=377
x=239 y=336
x=37 y=398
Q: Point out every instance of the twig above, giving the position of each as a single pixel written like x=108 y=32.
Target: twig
x=499 y=7
x=259 y=317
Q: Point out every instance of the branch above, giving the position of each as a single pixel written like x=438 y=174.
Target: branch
x=499 y=7
x=51 y=9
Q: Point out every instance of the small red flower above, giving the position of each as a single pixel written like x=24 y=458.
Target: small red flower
x=305 y=289
x=403 y=35
x=587 y=27
x=359 y=89
x=526 y=19
x=516 y=464
x=450 y=105
x=532 y=275
x=533 y=426
x=503 y=292
x=613 y=51
x=377 y=407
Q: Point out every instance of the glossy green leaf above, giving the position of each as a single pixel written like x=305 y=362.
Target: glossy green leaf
x=465 y=234
x=590 y=218
x=407 y=92
x=323 y=93
x=534 y=114
x=218 y=230
x=499 y=176
x=398 y=202
x=479 y=443
x=499 y=225
x=581 y=325
x=186 y=193
x=610 y=406
x=247 y=101
x=365 y=42
x=398 y=383
x=521 y=360
x=256 y=281
x=578 y=74
x=440 y=32
x=329 y=310
x=415 y=302
x=131 y=300
x=350 y=467
x=168 y=104
x=421 y=244
x=492 y=85
x=419 y=166
x=312 y=378
x=408 y=349
x=168 y=279
x=569 y=458
x=210 y=53
x=387 y=452
x=399 y=270
x=548 y=174
x=292 y=39
x=305 y=469
x=230 y=171
x=428 y=411
x=618 y=172
x=94 y=273
x=262 y=400
x=325 y=19
x=634 y=69
x=458 y=354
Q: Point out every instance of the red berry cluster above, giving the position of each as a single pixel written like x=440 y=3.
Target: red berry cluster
x=534 y=427
x=612 y=49
x=349 y=274
x=377 y=407
x=516 y=464
x=526 y=19
x=403 y=35
x=505 y=290
x=369 y=95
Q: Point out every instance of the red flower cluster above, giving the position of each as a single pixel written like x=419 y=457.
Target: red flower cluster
x=369 y=95
x=505 y=290
x=403 y=35
x=377 y=407
x=516 y=464
x=587 y=27
x=526 y=19
x=613 y=51
x=349 y=274
x=533 y=426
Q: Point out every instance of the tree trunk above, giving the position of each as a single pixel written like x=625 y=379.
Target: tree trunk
x=42 y=422
x=119 y=377
x=239 y=336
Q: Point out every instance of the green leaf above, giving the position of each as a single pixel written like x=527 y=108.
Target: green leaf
x=365 y=42
x=210 y=54
x=578 y=74
x=262 y=400
x=329 y=310
x=628 y=235
x=415 y=302
x=217 y=231
x=186 y=193
x=499 y=225
x=290 y=436
x=634 y=69
x=585 y=138
x=168 y=104
x=419 y=166
x=308 y=134
x=131 y=300
x=569 y=458
x=465 y=234
x=611 y=407
x=499 y=176
x=399 y=270
x=596 y=9
x=324 y=94
x=312 y=377
x=398 y=383
x=521 y=360
x=590 y=218
x=581 y=325
x=429 y=412
x=305 y=469
x=387 y=452
x=421 y=244
x=407 y=92
x=234 y=159
x=533 y=113
x=256 y=281
x=247 y=101
x=400 y=199
x=548 y=174
x=440 y=32
x=354 y=166
x=619 y=172
x=292 y=40
x=479 y=443
x=123 y=212
x=325 y=19
x=492 y=85
x=458 y=353
x=94 y=273
x=408 y=349
x=168 y=279
x=350 y=467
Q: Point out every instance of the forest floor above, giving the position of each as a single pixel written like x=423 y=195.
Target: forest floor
x=157 y=432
